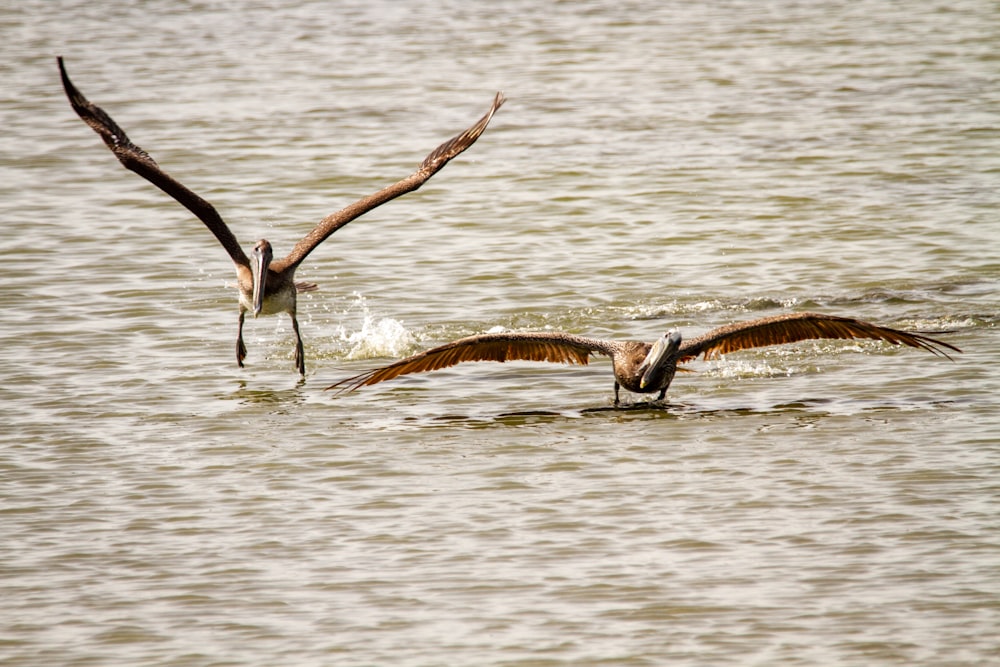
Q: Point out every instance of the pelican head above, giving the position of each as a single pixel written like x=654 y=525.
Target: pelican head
x=658 y=360
x=259 y=261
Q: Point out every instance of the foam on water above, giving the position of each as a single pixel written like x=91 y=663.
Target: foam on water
x=746 y=368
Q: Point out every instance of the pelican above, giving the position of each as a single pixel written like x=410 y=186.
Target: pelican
x=266 y=285
x=640 y=367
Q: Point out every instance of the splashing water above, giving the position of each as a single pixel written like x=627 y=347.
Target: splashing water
x=741 y=368
x=382 y=337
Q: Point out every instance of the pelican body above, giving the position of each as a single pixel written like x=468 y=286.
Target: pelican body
x=642 y=368
x=266 y=285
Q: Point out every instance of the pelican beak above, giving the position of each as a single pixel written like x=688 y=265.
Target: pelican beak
x=259 y=261
x=662 y=351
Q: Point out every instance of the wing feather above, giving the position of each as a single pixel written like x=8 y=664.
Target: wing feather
x=139 y=161
x=554 y=347
x=793 y=327
x=433 y=163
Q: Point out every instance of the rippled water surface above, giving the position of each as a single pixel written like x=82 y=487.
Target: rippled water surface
x=658 y=165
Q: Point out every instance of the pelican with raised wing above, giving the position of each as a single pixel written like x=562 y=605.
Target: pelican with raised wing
x=643 y=368
x=266 y=285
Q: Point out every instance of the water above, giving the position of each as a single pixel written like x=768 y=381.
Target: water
x=658 y=165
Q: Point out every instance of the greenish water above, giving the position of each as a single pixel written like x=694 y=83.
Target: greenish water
x=658 y=165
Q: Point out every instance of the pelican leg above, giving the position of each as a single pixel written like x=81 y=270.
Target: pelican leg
x=617 y=386
x=300 y=354
x=663 y=394
x=241 y=349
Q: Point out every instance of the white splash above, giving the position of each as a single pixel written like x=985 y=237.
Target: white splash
x=377 y=337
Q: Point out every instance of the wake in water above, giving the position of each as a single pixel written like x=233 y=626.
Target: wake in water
x=741 y=368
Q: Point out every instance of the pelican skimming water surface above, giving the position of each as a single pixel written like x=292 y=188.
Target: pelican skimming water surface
x=643 y=368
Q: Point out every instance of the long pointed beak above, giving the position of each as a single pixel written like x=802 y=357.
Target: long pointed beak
x=258 y=265
x=663 y=349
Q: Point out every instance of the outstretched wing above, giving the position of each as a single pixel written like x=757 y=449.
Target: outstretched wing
x=792 y=327
x=554 y=347
x=433 y=163
x=137 y=160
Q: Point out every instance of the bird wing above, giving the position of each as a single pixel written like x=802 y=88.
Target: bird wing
x=554 y=347
x=792 y=327
x=137 y=160
x=433 y=163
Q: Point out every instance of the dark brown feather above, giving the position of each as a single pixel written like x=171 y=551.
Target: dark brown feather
x=433 y=163
x=139 y=161
x=554 y=347
x=794 y=327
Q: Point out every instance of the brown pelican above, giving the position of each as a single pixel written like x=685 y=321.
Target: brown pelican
x=640 y=367
x=267 y=285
